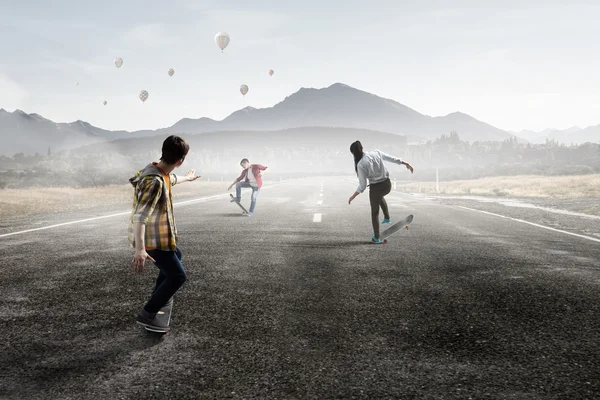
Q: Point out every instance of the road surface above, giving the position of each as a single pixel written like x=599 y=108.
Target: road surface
x=294 y=302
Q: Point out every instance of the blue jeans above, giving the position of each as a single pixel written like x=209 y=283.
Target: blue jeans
x=170 y=278
x=238 y=194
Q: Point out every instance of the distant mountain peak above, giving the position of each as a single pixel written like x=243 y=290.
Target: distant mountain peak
x=38 y=117
x=340 y=85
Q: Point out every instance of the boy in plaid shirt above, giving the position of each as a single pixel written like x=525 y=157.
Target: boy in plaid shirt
x=152 y=230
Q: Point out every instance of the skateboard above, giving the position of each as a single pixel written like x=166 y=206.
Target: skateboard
x=238 y=203
x=163 y=315
x=395 y=228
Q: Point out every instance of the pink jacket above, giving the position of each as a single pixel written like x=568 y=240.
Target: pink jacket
x=256 y=168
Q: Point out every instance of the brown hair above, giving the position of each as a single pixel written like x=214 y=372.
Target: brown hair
x=174 y=149
x=357 y=150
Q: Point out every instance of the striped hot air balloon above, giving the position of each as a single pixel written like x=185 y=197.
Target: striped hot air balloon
x=144 y=95
x=222 y=39
x=244 y=89
x=171 y=72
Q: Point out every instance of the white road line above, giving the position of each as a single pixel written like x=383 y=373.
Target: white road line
x=64 y=223
x=321 y=195
x=320 y=202
x=200 y=200
x=317 y=217
x=531 y=223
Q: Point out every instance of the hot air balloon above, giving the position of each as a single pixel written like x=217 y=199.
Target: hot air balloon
x=222 y=39
x=105 y=102
x=244 y=89
x=76 y=83
x=271 y=72
x=118 y=62
x=171 y=72
x=143 y=95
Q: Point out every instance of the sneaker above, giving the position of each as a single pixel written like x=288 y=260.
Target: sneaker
x=149 y=321
x=234 y=199
x=378 y=241
x=386 y=221
x=250 y=214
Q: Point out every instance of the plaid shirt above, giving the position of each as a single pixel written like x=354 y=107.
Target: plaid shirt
x=152 y=207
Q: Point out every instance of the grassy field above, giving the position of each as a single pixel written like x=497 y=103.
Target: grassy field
x=582 y=186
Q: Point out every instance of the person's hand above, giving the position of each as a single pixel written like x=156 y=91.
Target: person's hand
x=229 y=188
x=408 y=166
x=139 y=259
x=191 y=175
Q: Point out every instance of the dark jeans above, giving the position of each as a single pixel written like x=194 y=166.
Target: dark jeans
x=376 y=193
x=170 y=278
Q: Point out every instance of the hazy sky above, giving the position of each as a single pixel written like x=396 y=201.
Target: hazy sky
x=514 y=64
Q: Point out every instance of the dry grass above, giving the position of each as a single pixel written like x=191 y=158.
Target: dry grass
x=17 y=202
x=580 y=186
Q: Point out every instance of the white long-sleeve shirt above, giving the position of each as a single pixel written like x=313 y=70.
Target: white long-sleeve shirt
x=371 y=167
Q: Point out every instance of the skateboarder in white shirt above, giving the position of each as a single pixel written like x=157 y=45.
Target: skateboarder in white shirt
x=369 y=165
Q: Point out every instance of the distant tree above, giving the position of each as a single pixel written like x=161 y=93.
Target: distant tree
x=454 y=138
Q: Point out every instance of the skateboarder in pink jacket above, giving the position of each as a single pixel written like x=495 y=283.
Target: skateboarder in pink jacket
x=249 y=178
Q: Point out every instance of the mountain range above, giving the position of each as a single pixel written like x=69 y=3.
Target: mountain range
x=336 y=106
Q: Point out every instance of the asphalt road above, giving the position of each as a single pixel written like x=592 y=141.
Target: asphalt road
x=294 y=302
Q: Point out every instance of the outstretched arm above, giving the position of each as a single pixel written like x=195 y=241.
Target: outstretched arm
x=396 y=160
x=230 y=186
x=239 y=178
x=189 y=177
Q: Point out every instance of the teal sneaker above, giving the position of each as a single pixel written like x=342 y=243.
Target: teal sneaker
x=386 y=221
x=378 y=241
